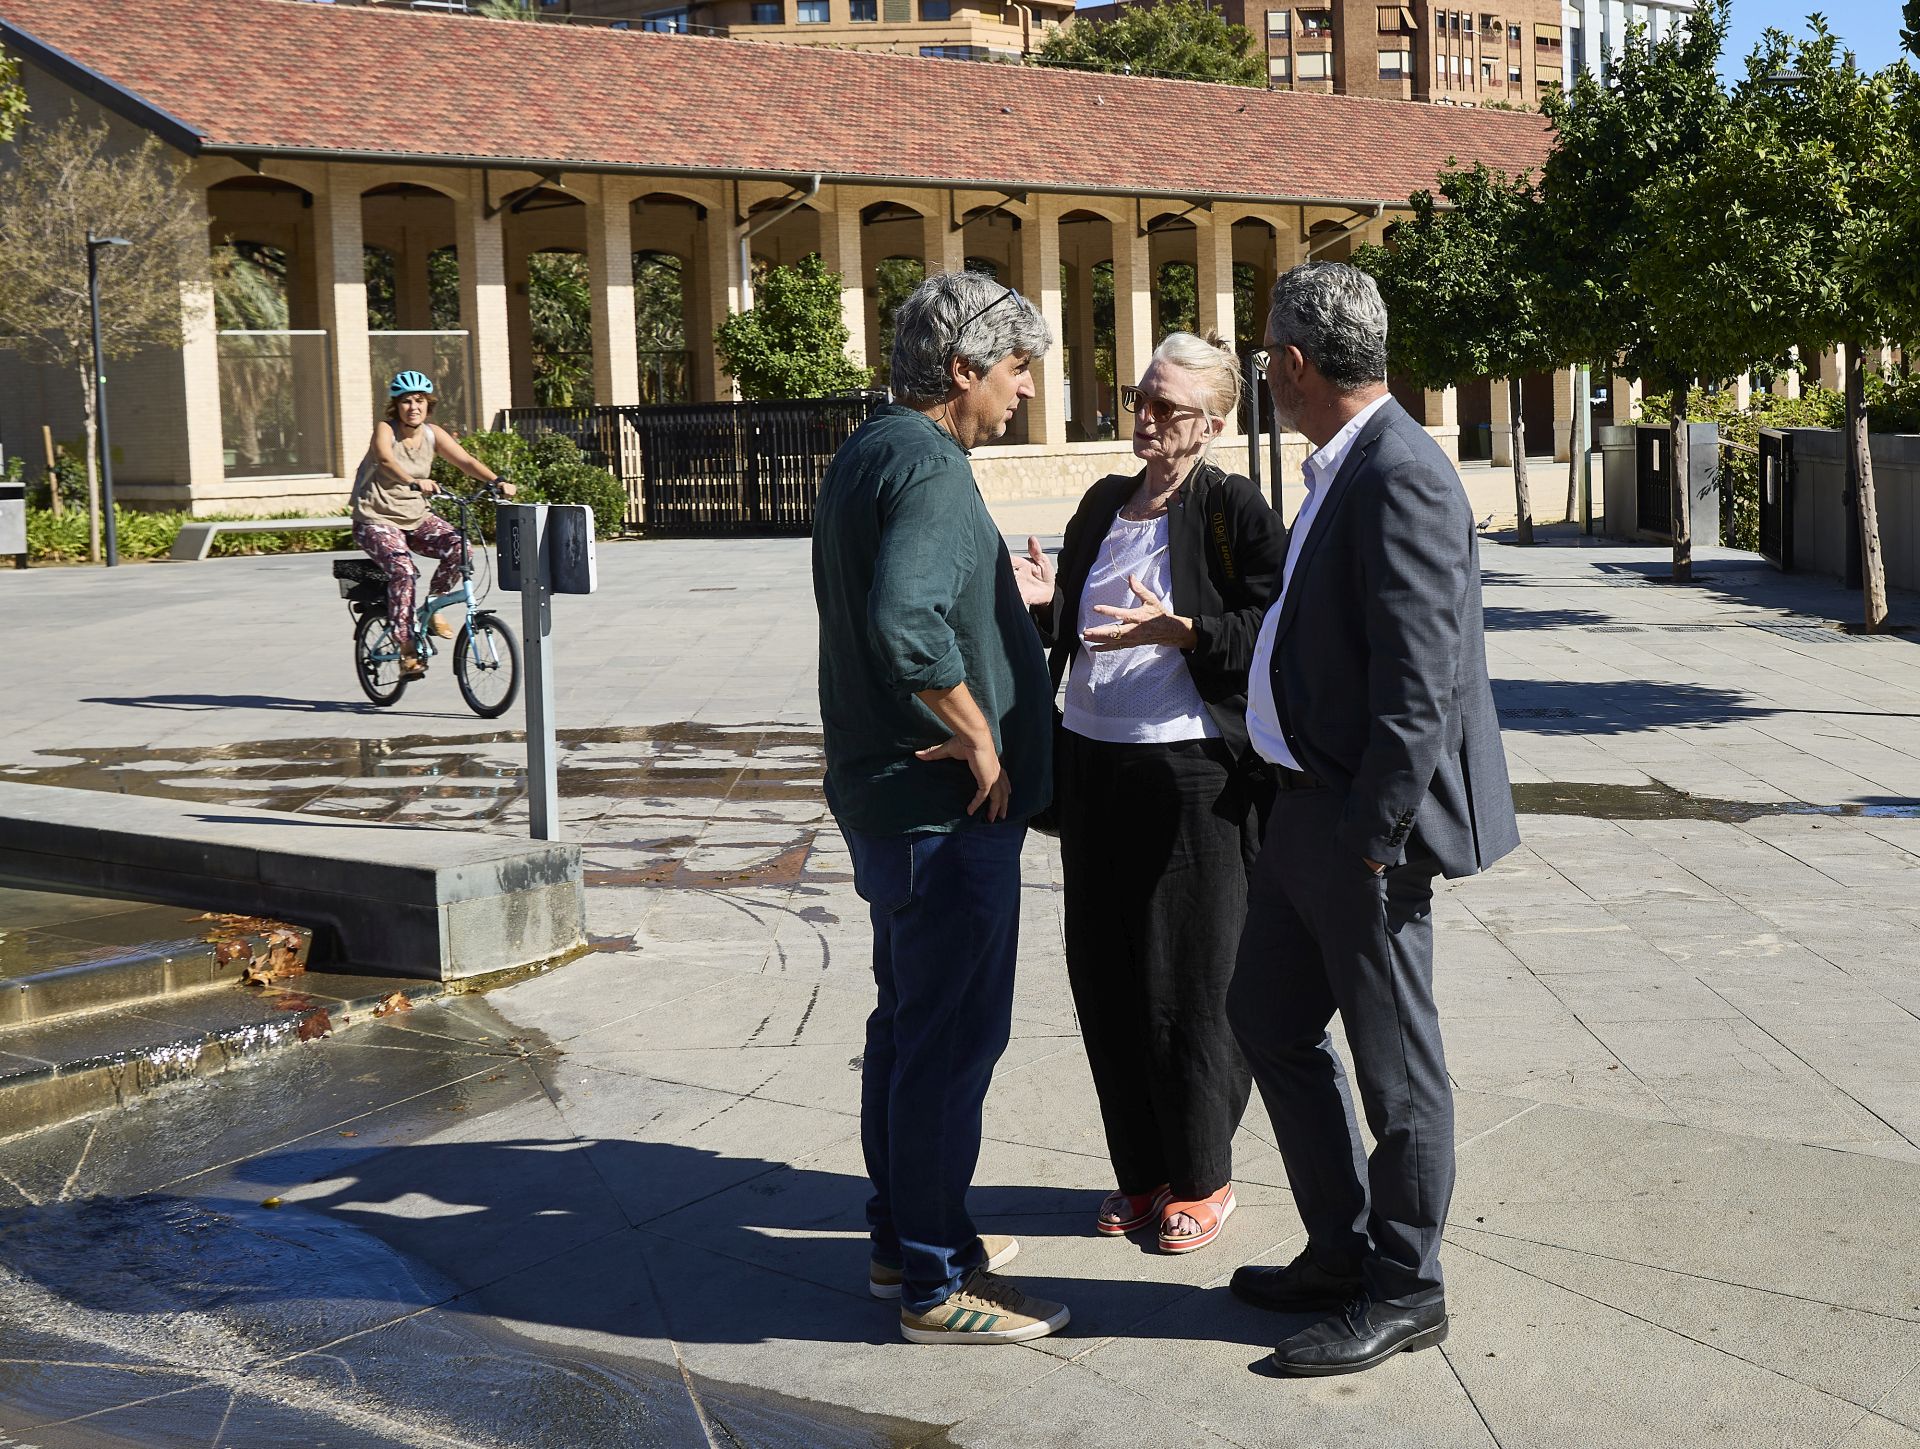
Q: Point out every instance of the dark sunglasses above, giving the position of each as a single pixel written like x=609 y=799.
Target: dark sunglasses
x=1162 y=410
x=976 y=316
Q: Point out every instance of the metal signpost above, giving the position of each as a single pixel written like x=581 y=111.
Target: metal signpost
x=545 y=549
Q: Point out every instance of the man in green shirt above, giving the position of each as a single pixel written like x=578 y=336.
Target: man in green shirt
x=937 y=707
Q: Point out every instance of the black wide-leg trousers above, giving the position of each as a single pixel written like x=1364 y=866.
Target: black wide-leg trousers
x=1324 y=934
x=1155 y=844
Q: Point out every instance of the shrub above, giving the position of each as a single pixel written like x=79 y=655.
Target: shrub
x=143 y=535
x=546 y=469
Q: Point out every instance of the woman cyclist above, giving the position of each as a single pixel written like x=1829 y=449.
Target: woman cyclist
x=390 y=515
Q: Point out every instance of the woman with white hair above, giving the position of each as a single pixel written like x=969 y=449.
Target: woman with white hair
x=1162 y=581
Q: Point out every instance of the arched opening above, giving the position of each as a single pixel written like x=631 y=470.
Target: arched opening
x=670 y=303
x=894 y=279
x=1086 y=291
x=276 y=394
x=412 y=269
x=660 y=326
x=549 y=300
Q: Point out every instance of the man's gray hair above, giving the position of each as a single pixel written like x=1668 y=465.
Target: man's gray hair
x=965 y=315
x=1333 y=313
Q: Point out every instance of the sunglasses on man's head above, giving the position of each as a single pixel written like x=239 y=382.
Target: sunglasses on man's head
x=976 y=316
x=1162 y=410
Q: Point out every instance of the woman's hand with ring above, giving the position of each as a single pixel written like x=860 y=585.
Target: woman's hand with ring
x=1151 y=623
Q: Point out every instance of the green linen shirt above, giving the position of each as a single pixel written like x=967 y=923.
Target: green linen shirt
x=915 y=592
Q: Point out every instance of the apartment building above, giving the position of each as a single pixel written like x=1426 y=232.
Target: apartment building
x=1502 y=52
x=939 y=29
x=1597 y=29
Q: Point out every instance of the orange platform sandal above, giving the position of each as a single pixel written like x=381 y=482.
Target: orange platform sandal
x=1211 y=1213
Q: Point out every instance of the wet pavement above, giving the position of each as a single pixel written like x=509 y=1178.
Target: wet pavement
x=1682 y=1024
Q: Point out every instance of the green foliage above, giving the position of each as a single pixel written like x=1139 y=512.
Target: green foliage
x=1467 y=284
x=1623 y=153
x=1183 y=39
x=142 y=535
x=894 y=281
x=660 y=326
x=1177 y=300
x=13 y=98
x=793 y=342
x=560 y=303
x=1910 y=30
x=549 y=468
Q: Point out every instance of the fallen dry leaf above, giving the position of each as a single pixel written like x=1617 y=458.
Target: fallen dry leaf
x=393 y=1001
x=293 y=1001
x=317 y=1024
x=349 y=1134
x=270 y=1202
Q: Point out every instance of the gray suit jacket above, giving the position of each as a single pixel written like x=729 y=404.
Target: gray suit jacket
x=1380 y=660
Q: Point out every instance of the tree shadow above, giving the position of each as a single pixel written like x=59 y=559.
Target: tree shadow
x=1503 y=617
x=1617 y=707
x=633 y=1239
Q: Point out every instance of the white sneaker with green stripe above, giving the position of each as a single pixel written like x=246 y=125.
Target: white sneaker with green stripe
x=985 y=1309
x=884 y=1281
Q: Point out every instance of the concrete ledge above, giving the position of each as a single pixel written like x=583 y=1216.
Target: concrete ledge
x=410 y=900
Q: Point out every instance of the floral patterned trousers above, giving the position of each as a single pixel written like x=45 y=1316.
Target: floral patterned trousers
x=388 y=546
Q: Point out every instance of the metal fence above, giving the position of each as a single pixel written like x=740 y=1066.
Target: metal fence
x=711 y=468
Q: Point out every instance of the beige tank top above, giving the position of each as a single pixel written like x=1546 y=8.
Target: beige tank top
x=377 y=499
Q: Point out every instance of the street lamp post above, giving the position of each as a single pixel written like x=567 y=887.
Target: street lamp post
x=94 y=243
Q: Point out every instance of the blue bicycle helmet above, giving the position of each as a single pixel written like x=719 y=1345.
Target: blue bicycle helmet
x=409 y=381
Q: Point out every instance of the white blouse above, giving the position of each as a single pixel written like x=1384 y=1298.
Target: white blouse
x=1132 y=696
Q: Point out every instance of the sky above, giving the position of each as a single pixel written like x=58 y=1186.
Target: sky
x=1870 y=28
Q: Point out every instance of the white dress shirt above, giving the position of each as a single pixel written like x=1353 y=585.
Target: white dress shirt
x=1263 y=716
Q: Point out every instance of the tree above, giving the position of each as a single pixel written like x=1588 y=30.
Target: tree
x=1466 y=287
x=13 y=97
x=1624 y=153
x=560 y=309
x=1802 y=223
x=792 y=342
x=1182 y=39
x=66 y=182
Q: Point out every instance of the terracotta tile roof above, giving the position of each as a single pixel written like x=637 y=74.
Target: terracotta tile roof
x=281 y=76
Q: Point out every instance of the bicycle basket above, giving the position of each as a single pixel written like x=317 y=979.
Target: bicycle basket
x=361 y=580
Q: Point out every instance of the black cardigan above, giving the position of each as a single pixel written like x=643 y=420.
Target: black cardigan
x=1226 y=549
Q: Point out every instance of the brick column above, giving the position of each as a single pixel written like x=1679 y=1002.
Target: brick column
x=1626 y=399
x=481 y=246
x=1502 y=422
x=719 y=298
x=1040 y=283
x=1213 y=279
x=340 y=271
x=1787 y=384
x=1133 y=337
x=1832 y=372
x=616 y=360
x=201 y=463
x=943 y=248
x=1443 y=419
x=1563 y=406
x=840 y=251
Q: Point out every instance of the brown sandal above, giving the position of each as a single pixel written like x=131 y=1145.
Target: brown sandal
x=1210 y=1212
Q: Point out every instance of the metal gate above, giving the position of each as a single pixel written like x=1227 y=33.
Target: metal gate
x=712 y=468
x=1776 y=498
x=748 y=467
x=1653 y=472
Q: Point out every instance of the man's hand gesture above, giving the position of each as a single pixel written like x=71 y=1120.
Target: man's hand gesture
x=1035 y=575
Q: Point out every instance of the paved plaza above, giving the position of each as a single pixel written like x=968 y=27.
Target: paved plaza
x=621 y=1202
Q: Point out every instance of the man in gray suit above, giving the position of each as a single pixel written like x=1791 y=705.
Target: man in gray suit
x=1369 y=697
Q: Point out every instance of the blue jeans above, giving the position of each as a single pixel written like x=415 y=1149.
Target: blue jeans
x=946 y=923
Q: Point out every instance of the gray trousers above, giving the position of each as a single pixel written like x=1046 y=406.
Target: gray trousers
x=1325 y=934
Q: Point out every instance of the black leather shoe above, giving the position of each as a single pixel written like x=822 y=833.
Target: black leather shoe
x=1300 y=1287
x=1359 y=1336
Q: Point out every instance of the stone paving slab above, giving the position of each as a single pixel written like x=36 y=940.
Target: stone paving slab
x=1683 y=1036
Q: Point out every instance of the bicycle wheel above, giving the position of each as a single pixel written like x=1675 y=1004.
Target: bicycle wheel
x=486 y=661
x=376 y=660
